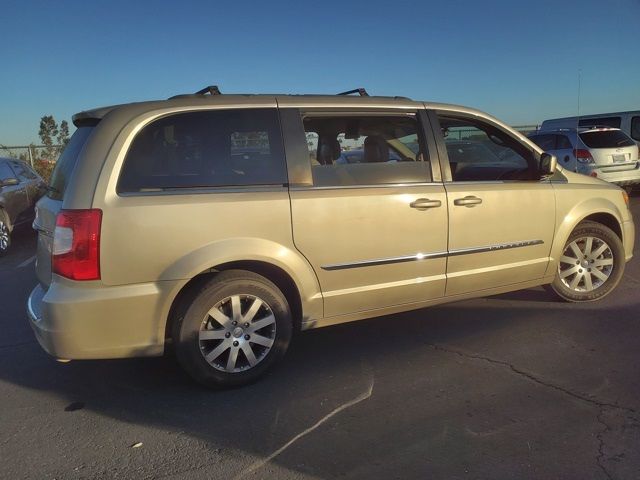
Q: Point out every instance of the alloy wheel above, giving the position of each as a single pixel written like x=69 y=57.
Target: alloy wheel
x=237 y=333
x=586 y=264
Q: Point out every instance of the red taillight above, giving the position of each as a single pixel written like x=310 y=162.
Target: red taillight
x=76 y=244
x=582 y=155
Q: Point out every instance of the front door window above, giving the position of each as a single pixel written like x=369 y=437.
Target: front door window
x=478 y=151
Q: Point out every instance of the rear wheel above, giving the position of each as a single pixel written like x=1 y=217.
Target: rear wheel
x=591 y=264
x=5 y=234
x=235 y=329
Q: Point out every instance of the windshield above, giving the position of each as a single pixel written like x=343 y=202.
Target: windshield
x=66 y=163
x=606 y=139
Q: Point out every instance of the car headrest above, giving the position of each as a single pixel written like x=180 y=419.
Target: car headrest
x=328 y=150
x=376 y=149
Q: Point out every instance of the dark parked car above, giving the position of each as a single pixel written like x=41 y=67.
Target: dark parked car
x=20 y=189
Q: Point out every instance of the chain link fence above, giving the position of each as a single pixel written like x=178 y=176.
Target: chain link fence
x=32 y=153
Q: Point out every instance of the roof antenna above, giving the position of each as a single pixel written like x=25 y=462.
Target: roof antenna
x=579 y=86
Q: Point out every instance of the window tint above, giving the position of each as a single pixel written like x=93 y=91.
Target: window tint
x=23 y=172
x=478 y=151
x=606 y=139
x=635 y=128
x=366 y=150
x=67 y=162
x=563 y=142
x=6 y=172
x=613 y=122
x=545 y=142
x=206 y=149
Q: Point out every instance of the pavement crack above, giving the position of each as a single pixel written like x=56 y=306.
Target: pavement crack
x=259 y=463
x=533 y=378
x=600 y=438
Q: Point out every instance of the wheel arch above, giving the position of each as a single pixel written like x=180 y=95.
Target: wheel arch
x=606 y=219
x=598 y=210
x=285 y=267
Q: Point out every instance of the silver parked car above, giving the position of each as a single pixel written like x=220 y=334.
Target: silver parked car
x=628 y=122
x=602 y=152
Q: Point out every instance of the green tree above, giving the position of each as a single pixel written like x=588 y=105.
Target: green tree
x=48 y=131
x=63 y=134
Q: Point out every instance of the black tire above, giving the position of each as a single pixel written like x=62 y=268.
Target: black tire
x=246 y=286
x=601 y=233
x=5 y=234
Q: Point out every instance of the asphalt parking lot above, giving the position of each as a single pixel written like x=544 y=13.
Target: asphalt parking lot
x=512 y=386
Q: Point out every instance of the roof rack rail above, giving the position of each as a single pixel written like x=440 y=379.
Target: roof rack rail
x=361 y=91
x=211 y=90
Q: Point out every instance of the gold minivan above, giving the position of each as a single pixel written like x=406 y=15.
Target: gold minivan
x=218 y=225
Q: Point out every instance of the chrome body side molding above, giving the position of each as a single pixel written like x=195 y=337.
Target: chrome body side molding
x=425 y=256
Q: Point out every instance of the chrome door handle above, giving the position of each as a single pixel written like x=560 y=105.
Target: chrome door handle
x=424 y=203
x=468 y=201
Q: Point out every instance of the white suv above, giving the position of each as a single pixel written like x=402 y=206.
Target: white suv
x=602 y=152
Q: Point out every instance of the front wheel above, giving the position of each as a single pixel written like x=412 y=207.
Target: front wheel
x=235 y=329
x=591 y=264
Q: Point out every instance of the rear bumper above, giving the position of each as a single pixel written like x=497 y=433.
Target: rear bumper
x=74 y=320
x=622 y=175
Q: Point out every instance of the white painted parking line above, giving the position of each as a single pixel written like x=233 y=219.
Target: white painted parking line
x=27 y=262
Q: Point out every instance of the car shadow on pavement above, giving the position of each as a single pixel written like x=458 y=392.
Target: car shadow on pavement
x=323 y=370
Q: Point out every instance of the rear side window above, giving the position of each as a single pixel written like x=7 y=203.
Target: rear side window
x=635 y=128
x=563 y=142
x=545 y=142
x=23 y=171
x=613 y=122
x=66 y=163
x=606 y=139
x=6 y=172
x=206 y=149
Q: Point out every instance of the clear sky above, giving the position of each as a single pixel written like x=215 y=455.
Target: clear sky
x=517 y=60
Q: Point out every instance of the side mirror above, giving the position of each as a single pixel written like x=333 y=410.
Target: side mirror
x=7 y=182
x=548 y=164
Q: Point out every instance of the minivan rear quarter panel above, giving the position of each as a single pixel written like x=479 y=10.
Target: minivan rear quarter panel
x=175 y=235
